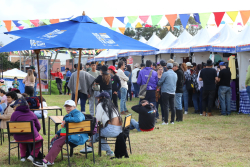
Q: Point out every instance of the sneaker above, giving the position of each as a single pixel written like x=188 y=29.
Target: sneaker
x=172 y=122
x=164 y=123
x=30 y=158
x=50 y=164
x=111 y=154
x=40 y=163
x=23 y=159
x=185 y=112
x=89 y=149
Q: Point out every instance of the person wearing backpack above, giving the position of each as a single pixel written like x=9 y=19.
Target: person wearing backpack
x=128 y=73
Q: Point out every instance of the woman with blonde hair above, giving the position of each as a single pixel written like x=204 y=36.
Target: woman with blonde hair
x=29 y=82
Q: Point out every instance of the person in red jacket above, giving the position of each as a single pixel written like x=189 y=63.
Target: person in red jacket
x=58 y=75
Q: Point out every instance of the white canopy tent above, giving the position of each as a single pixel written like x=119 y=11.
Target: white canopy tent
x=14 y=73
x=153 y=41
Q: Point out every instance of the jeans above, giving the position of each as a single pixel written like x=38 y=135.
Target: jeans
x=129 y=91
x=108 y=131
x=168 y=101
x=39 y=116
x=93 y=103
x=123 y=99
x=3 y=105
x=35 y=92
x=248 y=92
x=136 y=89
x=195 y=98
x=200 y=102
x=83 y=97
x=66 y=88
x=185 y=98
x=109 y=92
x=178 y=103
x=225 y=99
x=208 y=95
x=59 y=87
x=162 y=107
x=134 y=125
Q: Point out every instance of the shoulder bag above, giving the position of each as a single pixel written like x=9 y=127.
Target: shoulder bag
x=143 y=88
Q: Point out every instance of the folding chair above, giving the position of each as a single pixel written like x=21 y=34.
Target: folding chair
x=126 y=126
x=78 y=128
x=23 y=127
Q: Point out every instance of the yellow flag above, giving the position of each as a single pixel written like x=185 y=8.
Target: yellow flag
x=168 y=27
x=233 y=15
x=138 y=25
x=187 y=26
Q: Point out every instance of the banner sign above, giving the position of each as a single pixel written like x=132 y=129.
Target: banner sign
x=223 y=49
x=199 y=49
x=243 y=48
x=180 y=50
x=44 y=68
x=130 y=61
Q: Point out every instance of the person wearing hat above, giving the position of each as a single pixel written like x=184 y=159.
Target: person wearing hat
x=73 y=115
x=23 y=113
x=163 y=64
x=35 y=75
x=208 y=75
x=189 y=67
x=68 y=75
x=116 y=84
x=104 y=80
x=134 y=79
x=168 y=83
x=111 y=120
x=96 y=88
x=58 y=76
x=224 y=91
x=15 y=83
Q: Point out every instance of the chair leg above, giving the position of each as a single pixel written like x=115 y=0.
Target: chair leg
x=34 y=151
x=99 y=149
x=86 y=149
x=93 y=149
x=62 y=153
x=129 y=145
x=68 y=153
x=1 y=136
x=9 y=153
x=71 y=151
x=18 y=152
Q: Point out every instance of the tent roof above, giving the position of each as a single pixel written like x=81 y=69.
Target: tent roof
x=14 y=73
x=154 y=40
x=166 y=42
x=243 y=40
x=177 y=45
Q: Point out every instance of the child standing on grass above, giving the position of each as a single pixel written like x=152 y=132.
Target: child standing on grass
x=73 y=115
x=15 y=83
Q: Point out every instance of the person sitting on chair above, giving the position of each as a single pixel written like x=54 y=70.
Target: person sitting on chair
x=147 y=113
x=23 y=113
x=73 y=115
x=111 y=120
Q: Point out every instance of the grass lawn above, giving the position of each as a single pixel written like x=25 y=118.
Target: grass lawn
x=197 y=141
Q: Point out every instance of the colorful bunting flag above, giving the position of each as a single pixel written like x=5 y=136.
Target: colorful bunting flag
x=223 y=22
x=232 y=15
x=35 y=22
x=197 y=17
x=109 y=20
x=27 y=22
x=184 y=19
x=171 y=19
x=122 y=29
x=128 y=25
x=53 y=21
x=121 y=19
x=20 y=28
x=168 y=27
x=132 y=19
x=239 y=24
x=245 y=16
x=8 y=25
x=178 y=27
x=248 y=23
x=114 y=28
x=218 y=17
x=204 y=18
x=195 y=26
x=187 y=26
x=147 y=25
x=16 y=23
x=138 y=25
x=46 y=21
x=156 y=19
x=144 y=18
x=98 y=19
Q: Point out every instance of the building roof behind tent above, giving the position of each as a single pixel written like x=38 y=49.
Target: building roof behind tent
x=154 y=40
x=166 y=41
x=14 y=73
x=182 y=39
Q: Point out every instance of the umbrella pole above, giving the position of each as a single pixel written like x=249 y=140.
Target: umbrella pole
x=78 y=73
x=40 y=89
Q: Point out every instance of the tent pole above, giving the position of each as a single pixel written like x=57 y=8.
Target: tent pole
x=78 y=73
x=40 y=89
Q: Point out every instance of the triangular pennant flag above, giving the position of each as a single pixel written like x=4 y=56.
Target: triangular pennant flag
x=155 y=19
x=98 y=19
x=223 y=22
x=53 y=21
x=27 y=22
x=248 y=23
x=233 y=15
x=168 y=27
x=239 y=24
x=204 y=18
x=230 y=24
x=16 y=23
x=171 y=19
x=184 y=19
x=114 y=28
x=122 y=29
x=128 y=25
x=159 y=26
x=197 y=18
x=8 y=25
x=109 y=20
x=131 y=19
x=35 y=22
x=138 y=25
x=178 y=27
x=147 y=25
x=187 y=26
x=245 y=16
x=121 y=19
x=46 y=21
x=218 y=17
x=144 y=18
x=195 y=26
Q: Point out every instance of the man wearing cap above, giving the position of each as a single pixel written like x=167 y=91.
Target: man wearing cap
x=168 y=87
x=116 y=84
x=35 y=75
x=189 y=66
x=163 y=64
x=58 y=75
x=208 y=75
x=68 y=75
x=134 y=79
x=96 y=88
x=224 y=89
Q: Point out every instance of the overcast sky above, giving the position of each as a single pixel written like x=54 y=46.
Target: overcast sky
x=49 y=9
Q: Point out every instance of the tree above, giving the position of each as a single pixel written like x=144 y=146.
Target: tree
x=129 y=32
x=7 y=64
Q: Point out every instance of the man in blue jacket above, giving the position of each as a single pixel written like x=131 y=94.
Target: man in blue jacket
x=68 y=75
x=168 y=87
x=152 y=84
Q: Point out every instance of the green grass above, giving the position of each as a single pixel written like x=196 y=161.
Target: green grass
x=197 y=141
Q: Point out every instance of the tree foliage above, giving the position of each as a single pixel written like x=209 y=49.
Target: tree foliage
x=7 y=64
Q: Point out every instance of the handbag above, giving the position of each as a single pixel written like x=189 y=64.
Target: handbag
x=143 y=88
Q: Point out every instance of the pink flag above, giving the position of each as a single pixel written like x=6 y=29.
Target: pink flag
x=195 y=26
x=20 y=28
x=35 y=22
x=239 y=24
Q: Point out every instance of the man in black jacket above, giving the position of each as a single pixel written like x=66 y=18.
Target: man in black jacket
x=178 y=92
x=147 y=114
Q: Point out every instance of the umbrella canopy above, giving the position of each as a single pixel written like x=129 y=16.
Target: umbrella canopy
x=81 y=32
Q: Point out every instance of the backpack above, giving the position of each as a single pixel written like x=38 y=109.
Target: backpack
x=33 y=102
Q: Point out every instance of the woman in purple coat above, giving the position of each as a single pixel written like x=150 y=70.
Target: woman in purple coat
x=23 y=113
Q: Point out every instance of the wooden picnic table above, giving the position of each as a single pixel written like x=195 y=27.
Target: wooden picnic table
x=57 y=120
x=47 y=108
